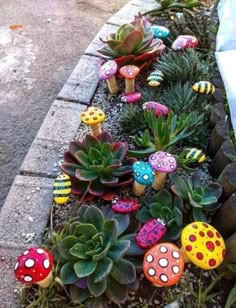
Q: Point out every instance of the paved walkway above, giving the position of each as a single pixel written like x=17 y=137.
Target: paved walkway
x=35 y=62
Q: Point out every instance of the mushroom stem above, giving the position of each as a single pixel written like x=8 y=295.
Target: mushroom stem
x=112 y=85
x=186 y=258
x=46 y=281
x=129 y=85
x=96 y=129
x=138 y=189
x=159 y=180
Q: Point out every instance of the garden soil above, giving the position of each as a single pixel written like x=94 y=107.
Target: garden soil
x=40 y=43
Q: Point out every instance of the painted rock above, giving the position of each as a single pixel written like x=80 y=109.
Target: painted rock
x=155 y=78
x=184 y=41
x=151 y=233
x=204 y=87
x=62 y=189
x=124 y=205
x=196 y=154
x=130 y=98
x=159 y=108
x=160 y=32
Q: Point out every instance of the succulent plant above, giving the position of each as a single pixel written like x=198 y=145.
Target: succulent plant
x=188 y=66
x=200 y=198
x=133 y=43
x=163 y=206
x=169 y=6
x=97 y=257
x=165 y=132
x=132 y=119
x=97 y=166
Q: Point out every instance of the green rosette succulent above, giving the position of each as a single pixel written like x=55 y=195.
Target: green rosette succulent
x=133 y=43
x=165 y=207
x=97 y=166
x=202 y=199
x=97 y=258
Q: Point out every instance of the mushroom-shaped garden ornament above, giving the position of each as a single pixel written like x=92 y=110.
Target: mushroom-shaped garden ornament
x=202 y=245
x=163 y=264
x=129 y=72
x=143 y=176
x=157 y=107
x=93 y=117
x=163 y=163
x=35 y=266
x=107 y=72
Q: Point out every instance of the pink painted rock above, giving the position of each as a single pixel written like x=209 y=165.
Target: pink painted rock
x=124 y=206
x=151 y=233
x=184 y=41
x=159 y=108
x=131 y=98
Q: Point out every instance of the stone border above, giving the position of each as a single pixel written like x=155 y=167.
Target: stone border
x=26 y=210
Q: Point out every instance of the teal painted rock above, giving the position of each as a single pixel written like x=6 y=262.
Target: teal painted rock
x=160 y=32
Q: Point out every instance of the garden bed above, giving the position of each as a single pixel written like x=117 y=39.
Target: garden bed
x=197 y=288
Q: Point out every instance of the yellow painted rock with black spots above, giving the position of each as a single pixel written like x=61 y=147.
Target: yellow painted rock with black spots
x=62 y=189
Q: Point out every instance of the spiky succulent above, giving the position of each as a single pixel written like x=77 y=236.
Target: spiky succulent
x=97 y=166
x=133 y=43
x=200 y=198
x=163 y=205
x=97 y=258
x=132 y=119
x=164 y=132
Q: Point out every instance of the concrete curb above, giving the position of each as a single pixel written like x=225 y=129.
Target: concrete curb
x=26 y=210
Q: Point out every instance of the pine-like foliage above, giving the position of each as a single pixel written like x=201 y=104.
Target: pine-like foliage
x=132 y=119
x=183 y=66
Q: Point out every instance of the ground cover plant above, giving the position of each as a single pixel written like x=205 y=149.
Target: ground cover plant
x=96 y=247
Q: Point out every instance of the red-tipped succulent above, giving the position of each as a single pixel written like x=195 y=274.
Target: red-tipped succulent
x=97 y=166
x=133 y=43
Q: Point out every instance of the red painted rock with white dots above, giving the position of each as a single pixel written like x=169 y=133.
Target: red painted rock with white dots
x=35 y=266
x=184 y=41
x=202 y=245
x=163 y=264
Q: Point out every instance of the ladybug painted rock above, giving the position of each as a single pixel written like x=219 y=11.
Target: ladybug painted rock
x=151 y=233
x=131 y=98
x=124 y=205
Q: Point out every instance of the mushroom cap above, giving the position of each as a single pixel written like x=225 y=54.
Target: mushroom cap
x=143 y=173
x=107 y=70
x=34 y=265
x=129 y=71
x=158 y=107
x=162 y=161
x=163 y=264
x=92 y=115
x=203 y=245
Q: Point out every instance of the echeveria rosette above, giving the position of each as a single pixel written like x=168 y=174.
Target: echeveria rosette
x=133 y=43
x=97 y=257
x=162 y=205
x=97 y=166
x=201 y=198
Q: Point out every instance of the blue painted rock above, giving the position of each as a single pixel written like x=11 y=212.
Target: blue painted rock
x=124 y=206
x=61 y=189
x=151 y=233
x=184 y=41
x=203 y=87
x=160 y=32
x=196 y=154
x=155 y=78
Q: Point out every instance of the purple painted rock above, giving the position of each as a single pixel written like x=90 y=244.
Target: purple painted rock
x=131 y=98
x=151 y=233
x=184 y=41
x=124 y=206
x=159 y=108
